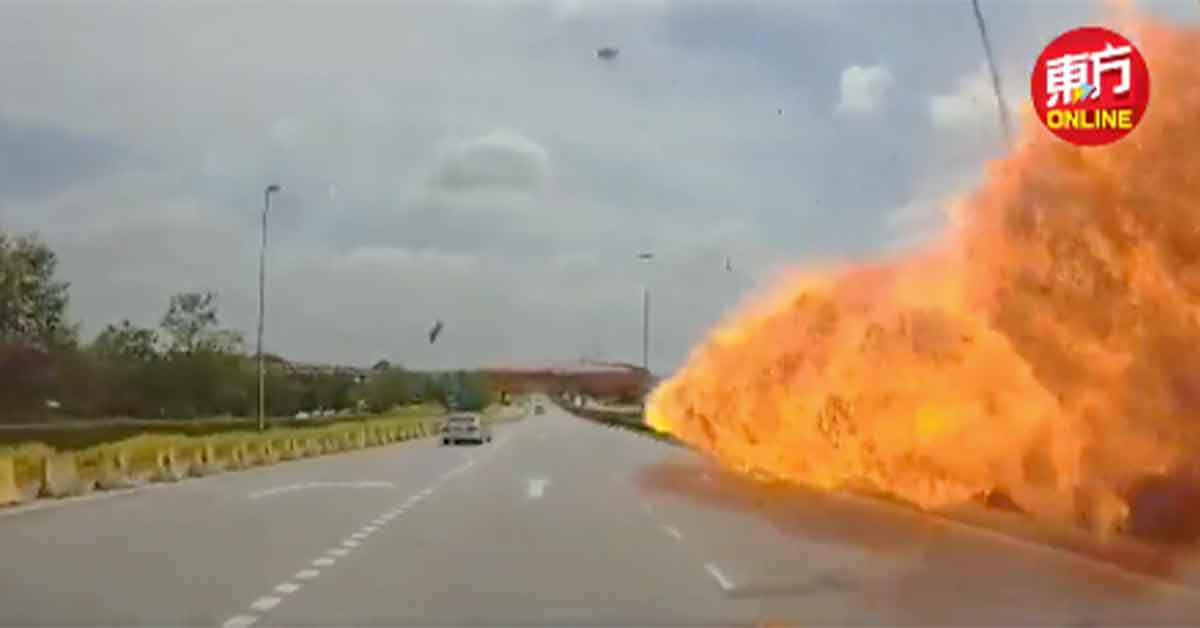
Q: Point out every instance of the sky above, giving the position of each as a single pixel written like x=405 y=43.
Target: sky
x=474 y=161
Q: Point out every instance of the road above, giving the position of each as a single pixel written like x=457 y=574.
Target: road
x=557 y=522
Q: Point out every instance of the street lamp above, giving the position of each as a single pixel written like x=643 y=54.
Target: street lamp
x=646 y=257
x=262 y=269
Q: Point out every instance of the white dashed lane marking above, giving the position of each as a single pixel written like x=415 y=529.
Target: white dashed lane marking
x=673 y=531
x=264 y=604
x=240 y=621
x=715 y=572
x=287 y=588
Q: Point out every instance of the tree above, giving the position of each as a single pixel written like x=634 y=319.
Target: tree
x=33 y=304
x=390 y=388
x=472 y=390
x=190 y=319
x=381 y=365
x=126 y=342
x=26 y=380
x=222 y=341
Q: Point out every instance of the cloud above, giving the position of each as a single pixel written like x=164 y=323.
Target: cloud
x=37 y=159
x=970 y=105
x=864 y=88
x=475 y=162
x=500 y=159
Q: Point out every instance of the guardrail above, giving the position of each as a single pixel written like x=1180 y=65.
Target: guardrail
x=35 y=471
x=621 y=419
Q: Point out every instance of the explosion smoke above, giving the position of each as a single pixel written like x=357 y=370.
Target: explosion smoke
x=1047 y=349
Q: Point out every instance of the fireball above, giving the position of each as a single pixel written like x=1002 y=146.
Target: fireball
x=1047 y=347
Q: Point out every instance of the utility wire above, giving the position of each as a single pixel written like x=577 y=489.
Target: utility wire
x=1001 y=105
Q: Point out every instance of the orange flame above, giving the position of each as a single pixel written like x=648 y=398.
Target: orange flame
x=1046 y=349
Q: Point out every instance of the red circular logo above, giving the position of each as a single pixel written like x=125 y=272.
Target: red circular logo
x=1090 y=86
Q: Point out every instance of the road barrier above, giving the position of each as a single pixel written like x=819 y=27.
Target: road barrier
x=292 y=449
x=167 y=467
x=266 y=453
x=205 y=461
x=60 y=476
x=621 y=419
x=9 y=493
x=239 y=456
x=33 y=470
x=114 y=471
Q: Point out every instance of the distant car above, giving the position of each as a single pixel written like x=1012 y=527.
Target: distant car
x=301 y=416
x=465 y=428
x=539 y=409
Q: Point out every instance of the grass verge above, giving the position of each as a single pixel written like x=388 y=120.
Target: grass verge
x=81 y=435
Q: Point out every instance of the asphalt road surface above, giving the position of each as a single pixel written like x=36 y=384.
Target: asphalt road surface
x=557 y=522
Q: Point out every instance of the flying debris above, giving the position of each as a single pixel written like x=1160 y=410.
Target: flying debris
x=645 y=256
x=435 y=332
x=779 y=111
x=607 y=53
x=728 y=264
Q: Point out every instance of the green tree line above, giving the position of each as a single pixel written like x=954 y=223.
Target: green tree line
x=187 y=366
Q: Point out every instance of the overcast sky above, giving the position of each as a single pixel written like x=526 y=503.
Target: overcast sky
x=476 y=162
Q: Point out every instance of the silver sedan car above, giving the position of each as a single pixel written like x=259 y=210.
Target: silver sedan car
x=465 y=428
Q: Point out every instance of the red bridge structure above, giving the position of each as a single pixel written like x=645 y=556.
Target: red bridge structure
x=595 y=379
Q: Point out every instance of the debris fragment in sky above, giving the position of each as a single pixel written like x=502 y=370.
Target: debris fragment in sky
x=607 y=53
x=435 y=332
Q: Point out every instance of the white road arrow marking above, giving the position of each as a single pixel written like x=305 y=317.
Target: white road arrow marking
x=535 y=488
x=292 y=488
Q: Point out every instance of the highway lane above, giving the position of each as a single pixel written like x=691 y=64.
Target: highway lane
x=557 y=522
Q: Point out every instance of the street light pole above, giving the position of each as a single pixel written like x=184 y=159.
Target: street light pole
x=646 y=328
x=262 y=274
x=646 y=257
